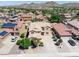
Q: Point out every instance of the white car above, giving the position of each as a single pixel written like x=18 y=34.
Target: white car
x=14 y=39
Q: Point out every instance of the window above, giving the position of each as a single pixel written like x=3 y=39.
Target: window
x=16 y=29
x=12 y=34
x=25 y=27
x=38 y=31
x=47 y=33
x=47 y=28
x=42 y=33
x=20 y=19
x=32 y=32
x=42 y=28
x=17 y=33
x=12 y=20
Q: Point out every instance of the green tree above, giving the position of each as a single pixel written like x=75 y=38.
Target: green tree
x=55 y=18
x=25 y=43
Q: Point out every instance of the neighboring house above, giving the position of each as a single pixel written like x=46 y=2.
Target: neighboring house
x=40 y=17
x=67 y=16
x=25 y=16
x=11 y=27
x=36 y=30
x=62 y=31
x=74 y=23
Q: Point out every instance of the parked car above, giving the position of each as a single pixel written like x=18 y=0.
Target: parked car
x=71 y=42
x=14 y=39
x=75 y=37
x=57 y=43
x=60 y=40
x=54 y=38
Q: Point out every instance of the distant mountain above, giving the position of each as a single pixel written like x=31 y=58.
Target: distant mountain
x=49 y=4
x=39 y=5
x=70 y=5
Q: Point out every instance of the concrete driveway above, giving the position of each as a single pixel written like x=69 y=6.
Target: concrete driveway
x=7 y=45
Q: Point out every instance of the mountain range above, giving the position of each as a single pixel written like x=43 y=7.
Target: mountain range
x=49 y=4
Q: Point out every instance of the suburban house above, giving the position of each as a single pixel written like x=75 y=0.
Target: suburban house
x=10 y=27
x=38 y=31
x=40 y=17
x=74 y=23
x=25 y=16
x=62 y=31
x=13 y=28
x=67 y=16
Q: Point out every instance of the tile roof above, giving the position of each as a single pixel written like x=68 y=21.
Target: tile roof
x=74 y=23
x=27 y=15
x=40 y=16
x=74 y=31
x=61 y=29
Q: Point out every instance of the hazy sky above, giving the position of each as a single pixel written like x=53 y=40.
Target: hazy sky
x=6 y=3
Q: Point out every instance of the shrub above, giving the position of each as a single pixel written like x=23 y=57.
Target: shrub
x=18 y=42
x=41 y=44
x=22 y=35
x=25 y=43
x=35 y=41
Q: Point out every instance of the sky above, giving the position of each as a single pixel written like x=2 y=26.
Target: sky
x=6 y=3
